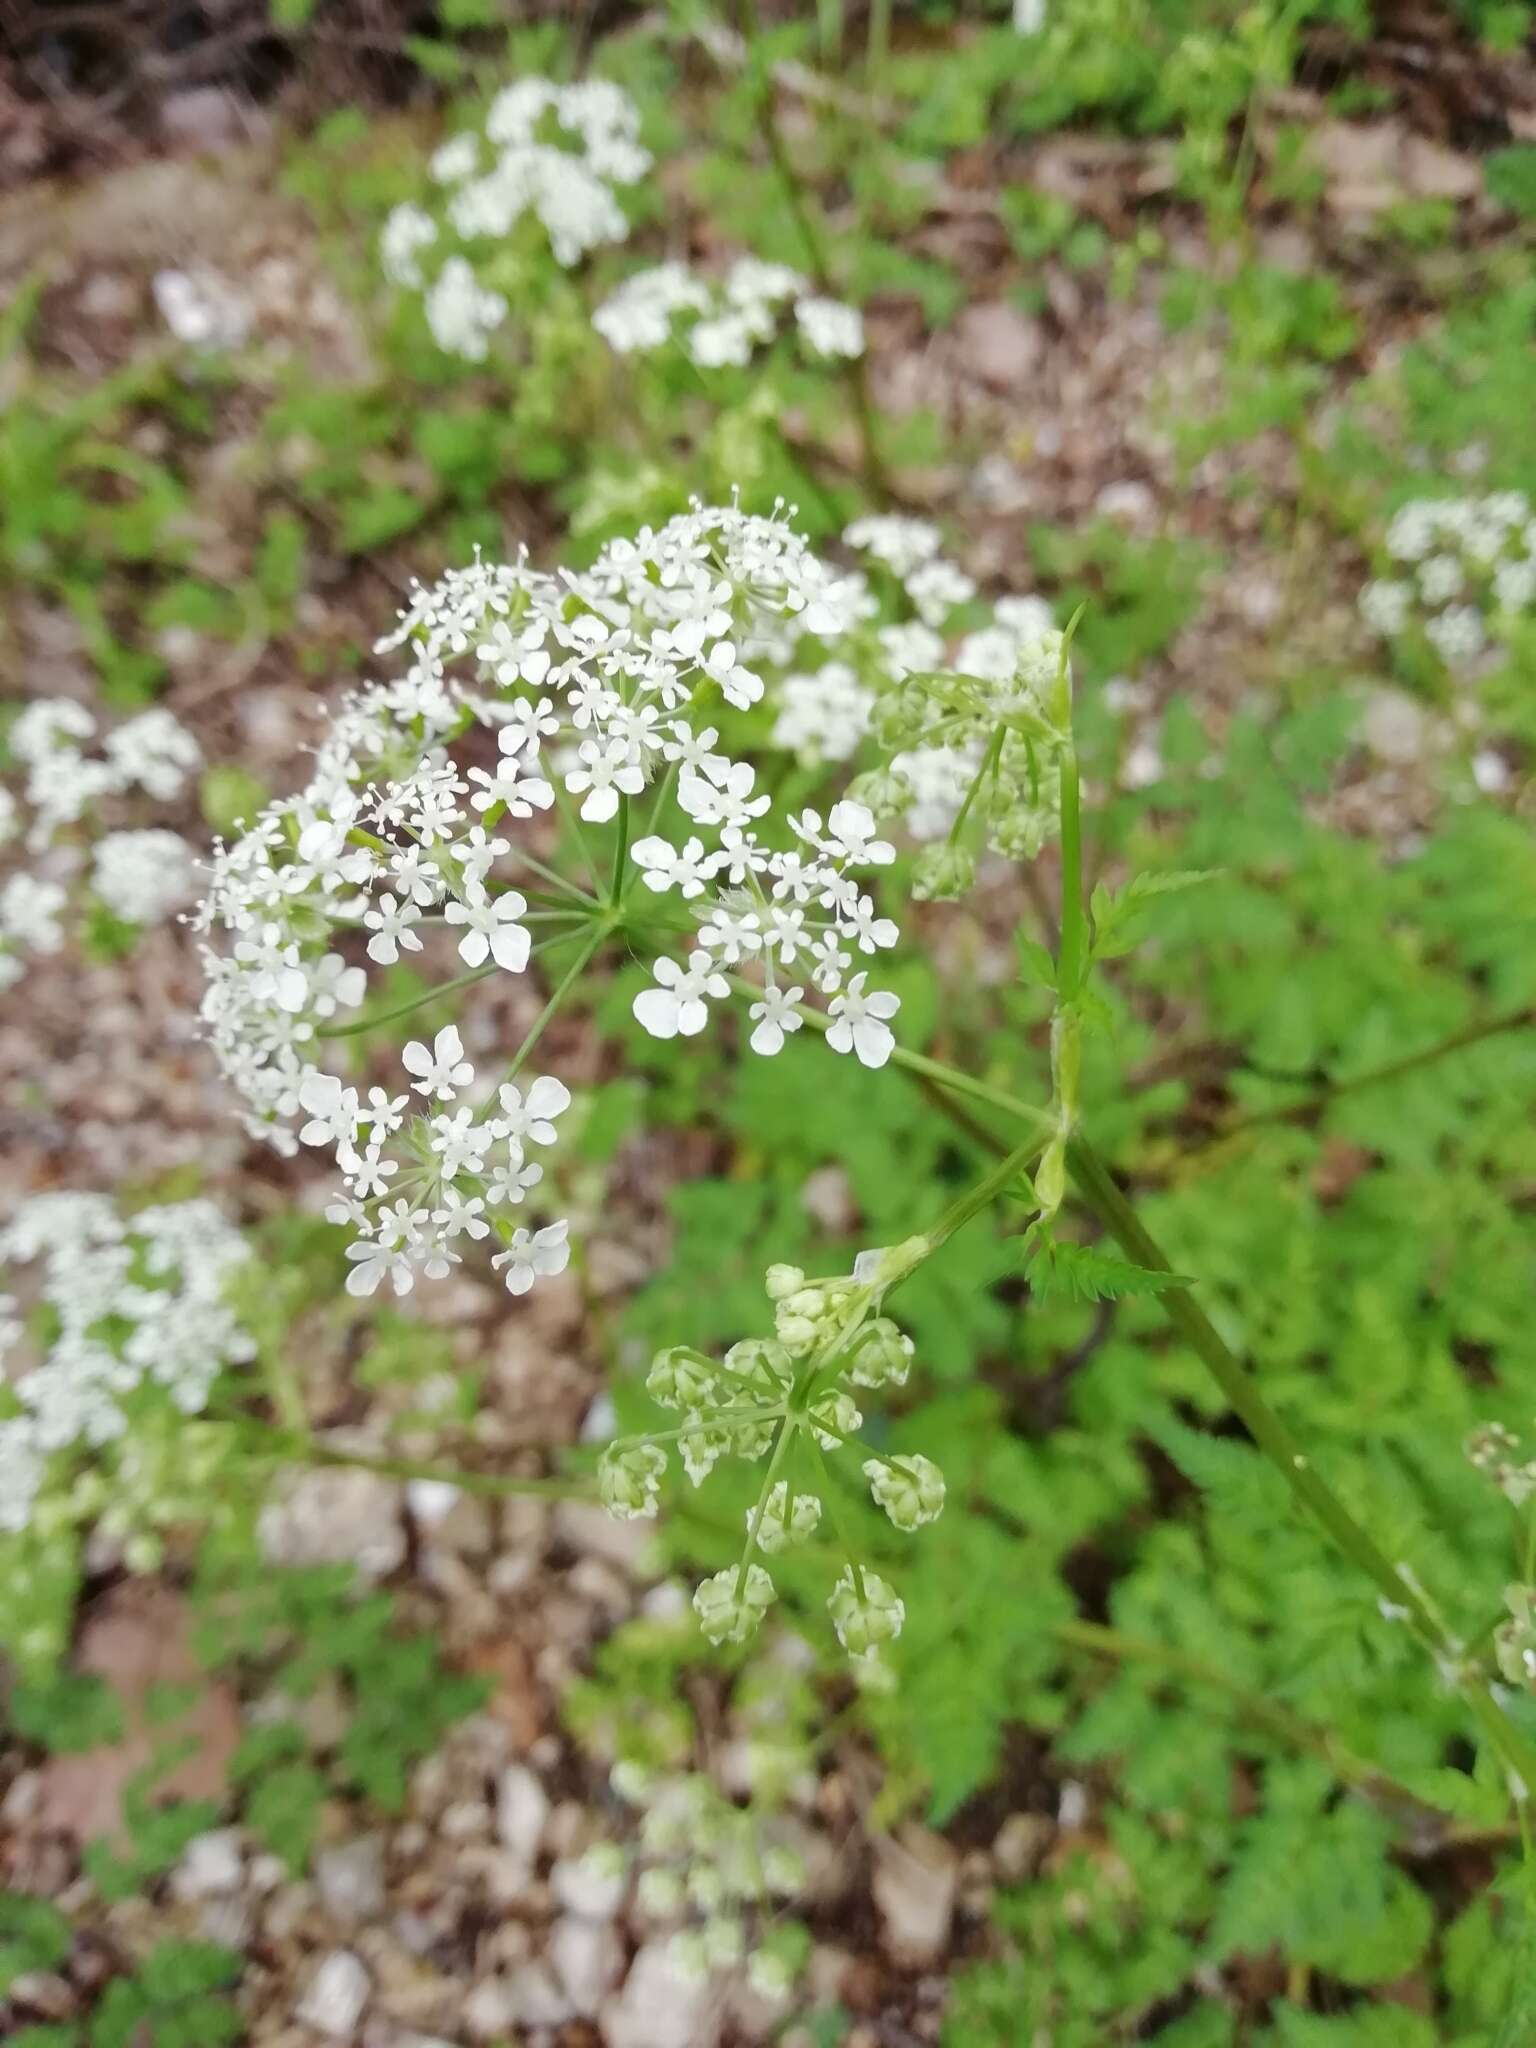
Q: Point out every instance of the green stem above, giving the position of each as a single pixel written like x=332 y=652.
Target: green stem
x=1071 y=959
x=1103 y=1196
x=620 y=853
x=303 y=1449
x=983 y=1194
x=432 y=995
x=1393 y=1070
x=878 y=49
x=855 y=368
x=1284 y=1451
x=573 y=973
x=988 y=767
x=1308 y=1736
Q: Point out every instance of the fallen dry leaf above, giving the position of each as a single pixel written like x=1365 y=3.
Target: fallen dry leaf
x=138 y=1638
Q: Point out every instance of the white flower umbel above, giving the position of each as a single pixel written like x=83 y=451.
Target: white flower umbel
x=423 y=836
x=144 y=877
x=74 y=777
x=554 y=154
x=134 y=1312
x=1463 y=571
x=723 y=323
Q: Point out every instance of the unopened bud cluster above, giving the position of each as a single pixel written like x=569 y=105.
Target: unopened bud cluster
x=720 y=1875
x=967 y=707
x=1505 y=1459
x=792 y=1400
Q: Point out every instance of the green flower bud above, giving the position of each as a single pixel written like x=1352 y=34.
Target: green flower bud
x=688 y=1956
x=660 y=1893
x=782 y=1522
x=782 y=1281
x=885 y=792
x=680 y=1379
x=910 y=1489
x=942 y=873
x=797 y=1334
x=731 y=1605
x=761 y=1360
x=865 y=1611
x=629 y=1481
x=1514 y=1644
x=702 y=1449
x=839 y=1416
x=880 y=1355
x=725 y=1941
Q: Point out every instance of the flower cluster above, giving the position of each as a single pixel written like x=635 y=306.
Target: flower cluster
x=963 y=707
x=725 y=322
x=552 y=152
x=1505 y=1460
x=140 y=876
x=527 y=692
x=128 y=1317
x=715 y=1872
x=790 y=1401
x=1461 y=559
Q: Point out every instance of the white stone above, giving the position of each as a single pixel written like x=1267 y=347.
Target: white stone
x=350 y=1878
x=537 y=1999
x=335 y=1516
x=522 y=1809
x=590 y=1886
x=210 y=1865
x=1393 y=727
x=490 y=2009
x=587 y=1956
x=337 y=1994
x=659 y=2008
x=914 y=1884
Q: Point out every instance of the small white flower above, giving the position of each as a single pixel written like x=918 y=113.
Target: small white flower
x=830 y=328
x=775 y=1017
x=529 y=1257
x=861 y=1023
x=493 y=929
x=676 y=1006
x=531 y=1118
x=443 y=1070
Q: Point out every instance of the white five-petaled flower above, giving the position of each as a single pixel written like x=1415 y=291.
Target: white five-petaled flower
x=676 y=1008
x=532 y=1255
x=774 y=1017
x=861 y=1023
x=493 y=930
x=441 y=1070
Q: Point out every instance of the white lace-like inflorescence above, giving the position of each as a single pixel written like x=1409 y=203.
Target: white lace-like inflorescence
x=525 y=689
x=132 y=1304
x=552 y=152
x=790 y=1401
x=1465 y=562
x=934 y=680
x=725 y=322
x=62 y=787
